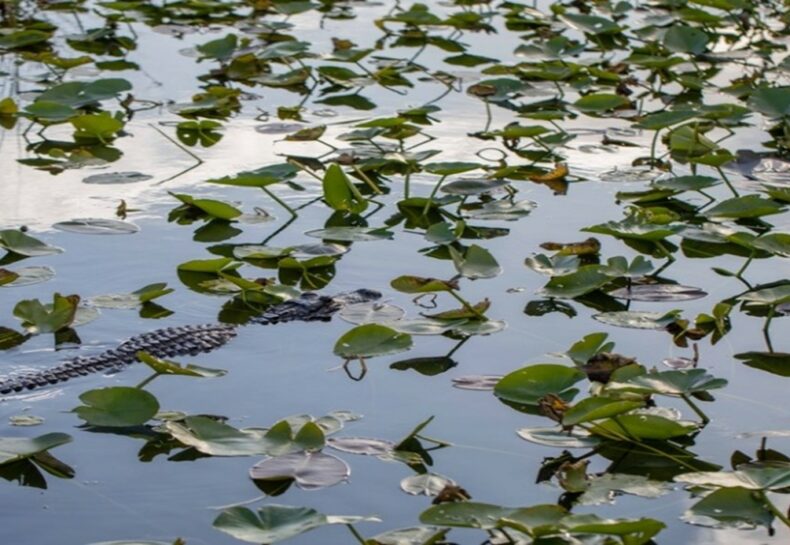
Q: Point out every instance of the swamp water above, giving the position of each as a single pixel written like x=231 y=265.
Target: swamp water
x=658 y=128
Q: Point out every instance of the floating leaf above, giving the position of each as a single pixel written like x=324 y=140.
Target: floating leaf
x=22 y=244
x=642 y=426
x=373 y=312
x=586 y=279
x=777 y=363
x=658 y=293
x=310 y=470
x=216 y=209
x=736 y=507
x=635 y=319
x=685 y=39
x=418 y=284
x=600 y=102
x=597 y=408
x=351 y=234
x=40 y=318
x=370 y=340
x=117 y=406
x=273 y=523
x=27 y=276
x=749 y=206
x=418 y=535
x=25 y=420
x=476 y=262
x=529 y=384
x=476 y=382
x=166 y=367
x=501 y=210
x=97 y=226
x=117 y=178
x=362 y=445
x=553 y=437
x=426 y=484
x=603 y=489
x=17 y=448
x=217 y=439
x=672 y=383
x=473 y=186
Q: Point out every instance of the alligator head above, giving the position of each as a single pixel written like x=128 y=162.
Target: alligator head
x=362 y=295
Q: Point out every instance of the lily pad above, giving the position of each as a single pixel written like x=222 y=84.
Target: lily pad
x=658 y=293
x=369 y=340
x=25 y=420
x=274 y=523
x=116 y=178
x=556 y=438
x=362 y=445
x=117 y=406
x=529 y=384
x=476 y=382
x=19 y=243
x=502 y=210
x=310 y=470
x=425 y=484
x=369 y=313
x=27 y=276
x=473 y=186
x=351 y=234
x=635 y=319
x=97 y=226
x=17 y=448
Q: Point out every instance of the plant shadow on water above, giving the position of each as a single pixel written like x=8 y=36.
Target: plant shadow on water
x=577 y=214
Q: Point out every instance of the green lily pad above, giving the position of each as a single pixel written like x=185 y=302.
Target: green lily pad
x=529 y=384
x=735 y=507
x=166 y=367
x=22 y=244
x=273 y=523
x=370 y=340
x=476 y=262
x=117 y=407
x=18 y=448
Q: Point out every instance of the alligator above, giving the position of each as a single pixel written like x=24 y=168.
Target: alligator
x=185 y=340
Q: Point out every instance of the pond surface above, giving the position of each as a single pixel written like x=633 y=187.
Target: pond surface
x=658 y=128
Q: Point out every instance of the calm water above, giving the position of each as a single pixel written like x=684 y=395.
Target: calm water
x=289 y=369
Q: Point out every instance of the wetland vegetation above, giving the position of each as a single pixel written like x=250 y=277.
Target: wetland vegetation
x=577 y=213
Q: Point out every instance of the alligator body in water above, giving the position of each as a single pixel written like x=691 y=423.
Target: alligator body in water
x=184 y=340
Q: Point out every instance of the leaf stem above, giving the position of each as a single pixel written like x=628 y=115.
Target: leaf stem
x=773 y=509
x=355 y=533
x=279 y=201
x=467 y=305
x=696 y=409
x=148 y=381
x=433 y=194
